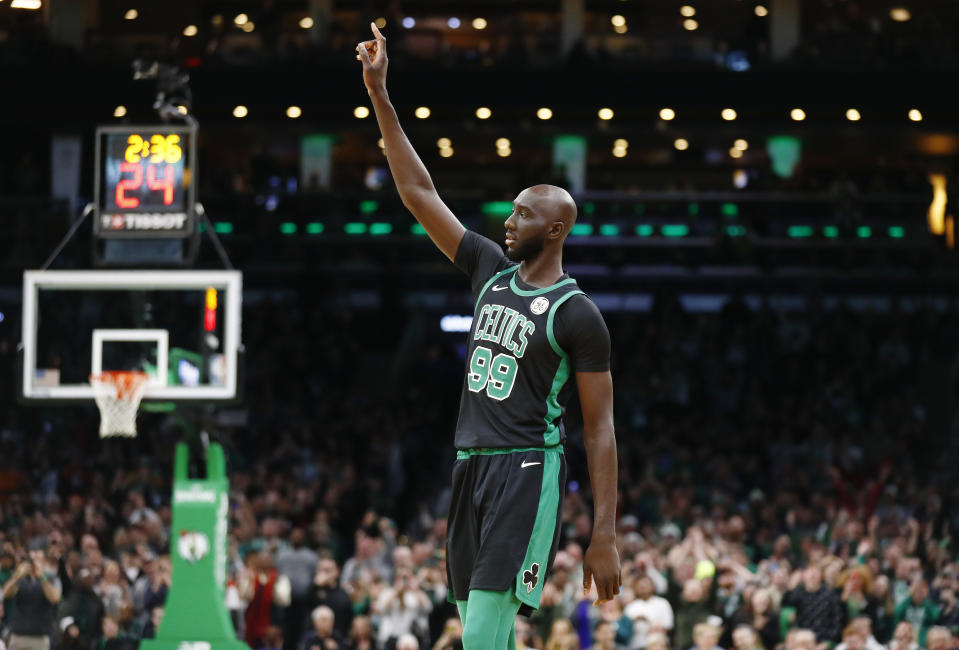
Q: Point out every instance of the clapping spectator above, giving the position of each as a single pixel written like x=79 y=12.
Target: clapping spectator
x=323 y=636
x=32 y=593
x=326 y=591
x=402 y=608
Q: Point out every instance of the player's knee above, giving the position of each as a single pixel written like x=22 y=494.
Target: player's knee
x=477 y=637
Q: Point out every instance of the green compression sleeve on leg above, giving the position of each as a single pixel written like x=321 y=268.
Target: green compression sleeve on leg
x=490 y=616
x=461 y=608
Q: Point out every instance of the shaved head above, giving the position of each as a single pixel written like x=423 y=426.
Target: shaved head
x=551 y=201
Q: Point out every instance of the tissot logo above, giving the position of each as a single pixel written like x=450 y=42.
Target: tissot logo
x=144 y=221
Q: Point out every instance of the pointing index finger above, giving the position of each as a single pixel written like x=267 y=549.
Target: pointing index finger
x=376 y=32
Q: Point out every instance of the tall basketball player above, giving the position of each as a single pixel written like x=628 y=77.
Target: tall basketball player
x=533 y=331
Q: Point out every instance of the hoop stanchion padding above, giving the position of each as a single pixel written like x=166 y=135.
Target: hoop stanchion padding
x=118 y=394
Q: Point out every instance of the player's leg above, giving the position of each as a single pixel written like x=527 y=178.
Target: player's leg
x=490 y=617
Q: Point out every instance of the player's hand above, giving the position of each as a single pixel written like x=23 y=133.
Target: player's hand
x=372 y=54
x=601 y=564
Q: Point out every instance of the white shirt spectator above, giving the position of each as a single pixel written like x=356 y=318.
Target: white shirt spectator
x=396 y=619
x=655 y=611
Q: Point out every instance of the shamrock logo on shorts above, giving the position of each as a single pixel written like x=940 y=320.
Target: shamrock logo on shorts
x=531 y=577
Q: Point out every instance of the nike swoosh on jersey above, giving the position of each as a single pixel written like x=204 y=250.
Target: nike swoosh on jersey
x=498 y=288
x=526 y=463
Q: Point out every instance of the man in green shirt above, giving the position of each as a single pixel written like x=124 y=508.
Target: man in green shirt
x=918 y=609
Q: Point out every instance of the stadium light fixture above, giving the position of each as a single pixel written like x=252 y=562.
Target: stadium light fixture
x=293 y=112
x=681 y=144
x=687 y=12
x=361 y=112
x=618 y=20
x=544 y=113
x=483 y=113
x=666 y=114
x=240 y=20
x=306 y=22
x=741 y=144
x=797 y=114
x=454 y=22
x=446 y=152
x=240 y=111
x=504 y=153
x=735 y=153
x=728 y=114
x=479 y=23
x=605 y=113
x=119 y=111
x=190 y=30
x=422 y=112
x=381 y=144
x=620 y=29
x=690 y=25
x=409 y=22
x=444 y=143
x=619 y=152
x=380 y=22
x=853 y=115
x=248 y=26
x=182 y=110
x=915 y=115
x=502 y=143
x=761 y=11
x=131 y=14
x=25 y=4
x=900 y=14
x=620 y=143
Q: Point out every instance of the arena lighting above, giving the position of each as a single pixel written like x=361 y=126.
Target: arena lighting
x=915 y=115
x=690 y=25
x=503 y=153
x=248 y=26
x=240 y=20
x=293 y=112
x=618 y=21
x=456 y=323
x=479 y=23
x=741 y=144
x=619 y=152
x=687 y=12
x=544 y=113
x=182 y=110
x=620 y=29
x=119 y=111
x=446 y=152
x=380 y=22
x=735 y=153
x=666 y=114
x=620 y=143
x=797 y=114
x=409 y=22
x=422 y=112
x=728 y=114
x=189 y=30
x=444 y=143
x=605 y=113
x=454 y=23
x=681 y=144
x=131 y=14
x=361 y=112
x=217 y=20
x=936 y=215
x=306 y=22
x=240 y=111
x=761 y=11
x=502 y=143
x=483 y=113
x=853 y=115
x=900 y=14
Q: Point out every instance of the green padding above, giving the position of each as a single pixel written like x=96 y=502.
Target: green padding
x=463 y=454
x=541 y=541
x=488 y=618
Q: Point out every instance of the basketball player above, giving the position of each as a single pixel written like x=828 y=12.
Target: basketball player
x=532 y=330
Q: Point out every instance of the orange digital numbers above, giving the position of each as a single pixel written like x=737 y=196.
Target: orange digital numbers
x=164 y=184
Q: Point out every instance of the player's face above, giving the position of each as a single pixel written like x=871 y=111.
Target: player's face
x=526 y=230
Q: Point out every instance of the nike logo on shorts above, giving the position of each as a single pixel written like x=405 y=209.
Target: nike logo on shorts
x=526 y=463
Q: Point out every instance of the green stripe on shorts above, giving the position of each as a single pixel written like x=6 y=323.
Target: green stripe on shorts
x=541 y=541
x=463 y=454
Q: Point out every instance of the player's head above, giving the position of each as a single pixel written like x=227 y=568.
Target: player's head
x=541 y=219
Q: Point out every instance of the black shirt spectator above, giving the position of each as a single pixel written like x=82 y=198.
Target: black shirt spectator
x=818 y=607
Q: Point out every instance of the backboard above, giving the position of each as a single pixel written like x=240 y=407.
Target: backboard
x=183 y=328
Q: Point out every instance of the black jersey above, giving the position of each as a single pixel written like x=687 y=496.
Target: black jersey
x=524 y=346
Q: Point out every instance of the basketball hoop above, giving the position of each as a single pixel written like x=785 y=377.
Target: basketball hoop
x=118 y=394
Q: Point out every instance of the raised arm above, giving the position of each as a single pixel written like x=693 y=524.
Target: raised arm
x=601 y=562
x=409 y=173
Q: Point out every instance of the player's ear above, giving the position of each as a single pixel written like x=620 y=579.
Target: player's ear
x=557 y=230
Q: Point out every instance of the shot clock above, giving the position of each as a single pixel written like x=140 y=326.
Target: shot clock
x=145 y=181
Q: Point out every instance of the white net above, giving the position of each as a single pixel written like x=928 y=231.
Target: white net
x=118 y=396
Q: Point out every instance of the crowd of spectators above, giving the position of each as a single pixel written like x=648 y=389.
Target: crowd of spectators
x=786 y=482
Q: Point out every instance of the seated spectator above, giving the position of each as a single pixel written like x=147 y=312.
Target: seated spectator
x=800 y=639
x=407 y=642
x=745 y=638
x=604 y=637
x=938 y=638
x=323 y=636
x=758 y=614
x=361 y=634
x=111 y=637
x=862 y=625
x=904 y=637
x=918 y=609
x=706 y=636
x=648 y=612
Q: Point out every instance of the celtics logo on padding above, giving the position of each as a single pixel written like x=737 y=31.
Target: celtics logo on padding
x=531 y=577
x=193 y=545
x=539 y=305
